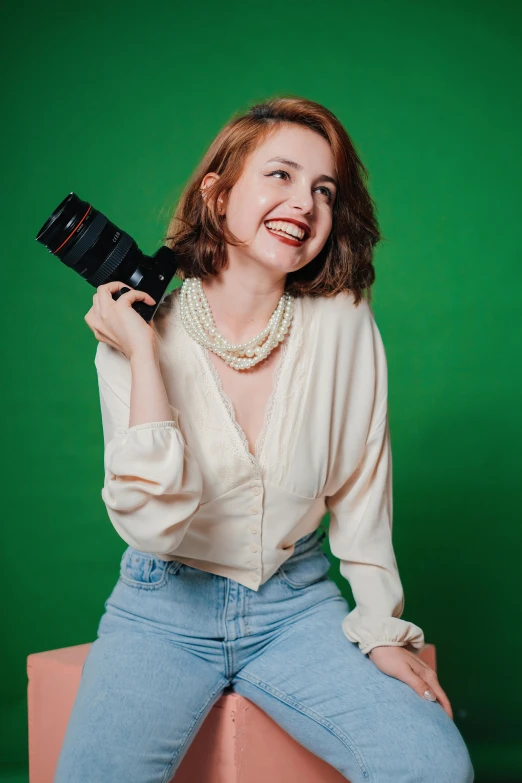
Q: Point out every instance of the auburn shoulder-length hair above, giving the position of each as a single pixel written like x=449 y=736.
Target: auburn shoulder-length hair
x=199 y=235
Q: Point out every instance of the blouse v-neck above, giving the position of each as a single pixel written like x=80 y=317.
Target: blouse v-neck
x=275 y=394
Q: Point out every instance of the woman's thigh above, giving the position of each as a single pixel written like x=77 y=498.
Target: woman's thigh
x=139 y=704
x=144 y=691
x=334 y=701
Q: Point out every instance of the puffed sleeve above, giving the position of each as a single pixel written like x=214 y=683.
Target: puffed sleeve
x=153 y=484
x=360 y=536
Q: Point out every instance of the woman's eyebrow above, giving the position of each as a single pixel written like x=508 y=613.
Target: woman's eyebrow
x=298 y=166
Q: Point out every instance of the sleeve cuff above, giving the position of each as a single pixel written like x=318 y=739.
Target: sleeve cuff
x=376 y=631
x=147 y=459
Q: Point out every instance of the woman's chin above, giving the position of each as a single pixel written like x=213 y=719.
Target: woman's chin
x=281 y=261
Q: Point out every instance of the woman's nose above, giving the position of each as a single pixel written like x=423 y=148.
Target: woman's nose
x=302 y=198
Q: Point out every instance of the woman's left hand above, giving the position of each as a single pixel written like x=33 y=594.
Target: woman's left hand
x=404 y=665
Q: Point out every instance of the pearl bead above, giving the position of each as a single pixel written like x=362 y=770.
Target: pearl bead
x=199 y=323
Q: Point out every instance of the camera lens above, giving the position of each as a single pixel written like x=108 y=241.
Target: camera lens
x=85 y=240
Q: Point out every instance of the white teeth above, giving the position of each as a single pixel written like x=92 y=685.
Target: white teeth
x=288 y=228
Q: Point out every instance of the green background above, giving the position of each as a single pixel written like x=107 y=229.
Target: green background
x=118 y=102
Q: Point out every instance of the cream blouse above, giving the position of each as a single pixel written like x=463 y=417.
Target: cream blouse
x=190 y=490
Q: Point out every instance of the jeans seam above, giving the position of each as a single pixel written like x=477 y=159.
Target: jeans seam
x=177 y=753
x=310 y=714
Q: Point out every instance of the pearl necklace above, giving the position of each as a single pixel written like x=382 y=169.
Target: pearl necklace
x=199 y=323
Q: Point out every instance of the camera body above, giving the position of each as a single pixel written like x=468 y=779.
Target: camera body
x=94 y=247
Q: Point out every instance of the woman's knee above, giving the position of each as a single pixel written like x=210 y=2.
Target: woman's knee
x=454 y=767
x=464 y=767
x=442 y=755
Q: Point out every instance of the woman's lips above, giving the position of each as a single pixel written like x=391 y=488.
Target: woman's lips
x=288 y=240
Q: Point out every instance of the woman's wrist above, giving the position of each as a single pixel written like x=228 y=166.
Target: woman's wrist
x=145 y=354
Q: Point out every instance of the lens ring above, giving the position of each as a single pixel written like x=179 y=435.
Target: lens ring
x=86 y=241
x=112 y=261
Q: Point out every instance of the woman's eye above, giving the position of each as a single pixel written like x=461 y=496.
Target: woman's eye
x=328 y=191
x=279 y=171
x=321 y=187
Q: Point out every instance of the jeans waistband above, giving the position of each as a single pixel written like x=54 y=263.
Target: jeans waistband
x=310 y=541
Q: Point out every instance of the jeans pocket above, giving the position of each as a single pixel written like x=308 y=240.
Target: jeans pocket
x=145 y=570
x=303 y=570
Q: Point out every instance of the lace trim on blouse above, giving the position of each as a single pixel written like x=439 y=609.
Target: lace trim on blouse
x=256 y=459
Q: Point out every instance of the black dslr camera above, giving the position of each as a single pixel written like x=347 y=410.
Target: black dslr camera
x=85 y=240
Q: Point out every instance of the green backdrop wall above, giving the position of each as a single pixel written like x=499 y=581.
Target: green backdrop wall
x=118 y=101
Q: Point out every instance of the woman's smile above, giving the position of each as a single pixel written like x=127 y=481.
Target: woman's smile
x=282 y=236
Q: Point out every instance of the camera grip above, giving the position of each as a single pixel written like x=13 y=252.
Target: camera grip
x=120 y=292
x=145 y=310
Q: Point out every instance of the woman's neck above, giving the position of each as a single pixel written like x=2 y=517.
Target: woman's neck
x=241 y=308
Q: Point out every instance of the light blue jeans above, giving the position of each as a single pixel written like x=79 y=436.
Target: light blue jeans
x=173 y=638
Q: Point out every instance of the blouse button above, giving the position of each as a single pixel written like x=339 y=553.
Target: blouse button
x=253 y=547
x=255 y=577
x=254 y=511
x=253 y=529
x=256 y=490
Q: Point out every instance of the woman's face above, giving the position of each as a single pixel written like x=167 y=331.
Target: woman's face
x=297 y=187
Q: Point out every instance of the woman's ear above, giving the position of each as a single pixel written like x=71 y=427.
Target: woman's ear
x=208 y=180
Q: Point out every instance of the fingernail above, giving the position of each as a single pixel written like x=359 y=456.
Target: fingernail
x=430 y=696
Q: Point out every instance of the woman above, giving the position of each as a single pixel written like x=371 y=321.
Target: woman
x=253 y=403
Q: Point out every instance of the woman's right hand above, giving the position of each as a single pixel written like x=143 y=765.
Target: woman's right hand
x=116 y=323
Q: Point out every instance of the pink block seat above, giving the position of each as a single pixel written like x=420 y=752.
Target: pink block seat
x=237 y=743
